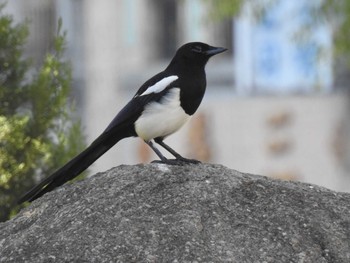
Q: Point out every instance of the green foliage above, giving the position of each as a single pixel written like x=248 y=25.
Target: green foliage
x=230 y=8
x=225 y=8
x=37 y=134
x=337 y=14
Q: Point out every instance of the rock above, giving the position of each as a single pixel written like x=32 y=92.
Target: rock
x=194 y=213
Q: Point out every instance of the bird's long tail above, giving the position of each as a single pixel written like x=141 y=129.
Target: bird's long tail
x=75 y=166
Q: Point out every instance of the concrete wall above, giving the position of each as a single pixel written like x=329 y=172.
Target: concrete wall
x=304 y=138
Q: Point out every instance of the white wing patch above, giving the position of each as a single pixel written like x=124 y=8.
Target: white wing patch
x=160 y=85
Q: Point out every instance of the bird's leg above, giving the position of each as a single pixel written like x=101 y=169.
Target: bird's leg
x=173 y=152
x=163 y=159
x=160 y=155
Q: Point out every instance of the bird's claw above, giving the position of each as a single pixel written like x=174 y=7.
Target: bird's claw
x=185 y=160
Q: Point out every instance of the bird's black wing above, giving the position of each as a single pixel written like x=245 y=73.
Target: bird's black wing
x=132 y=111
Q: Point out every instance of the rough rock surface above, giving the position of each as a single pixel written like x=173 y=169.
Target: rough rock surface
x=194 y=213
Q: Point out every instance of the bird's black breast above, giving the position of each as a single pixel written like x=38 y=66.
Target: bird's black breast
x=192 y=93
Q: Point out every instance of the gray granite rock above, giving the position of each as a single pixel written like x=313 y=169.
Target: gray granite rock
x=194 y=213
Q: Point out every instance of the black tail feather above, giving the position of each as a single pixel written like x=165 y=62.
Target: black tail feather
x=74 y=167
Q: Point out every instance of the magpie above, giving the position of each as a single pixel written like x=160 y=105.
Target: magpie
x=159 y=108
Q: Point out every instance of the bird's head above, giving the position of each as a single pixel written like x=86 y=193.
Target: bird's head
x=194 y=54
x=197 y=52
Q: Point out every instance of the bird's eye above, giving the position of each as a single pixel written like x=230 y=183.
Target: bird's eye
x=197 y=49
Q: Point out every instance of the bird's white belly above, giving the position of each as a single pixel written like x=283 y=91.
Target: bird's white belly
x=160 y=119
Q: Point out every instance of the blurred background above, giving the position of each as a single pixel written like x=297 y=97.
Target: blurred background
x=277 y=102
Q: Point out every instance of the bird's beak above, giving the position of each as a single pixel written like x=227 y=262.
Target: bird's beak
x=215 y=50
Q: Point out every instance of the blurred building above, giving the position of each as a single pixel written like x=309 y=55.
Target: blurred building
x=271 y=106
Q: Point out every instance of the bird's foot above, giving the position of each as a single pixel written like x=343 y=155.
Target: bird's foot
x=177 y=161
x=185 y=160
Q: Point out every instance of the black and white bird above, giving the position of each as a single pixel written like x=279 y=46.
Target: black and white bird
x=159 y=108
